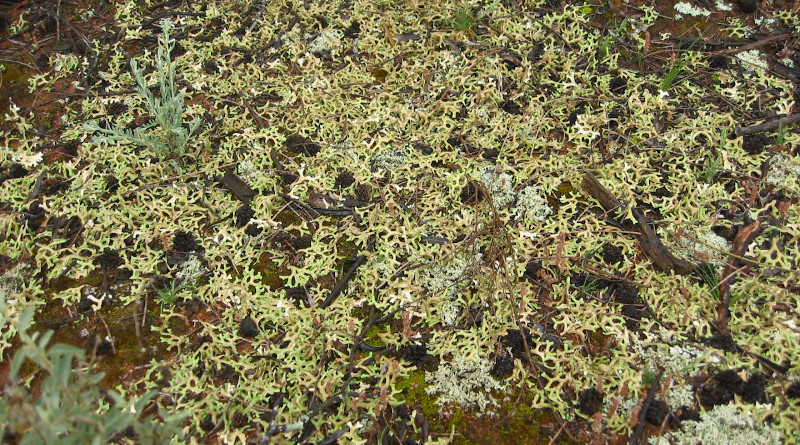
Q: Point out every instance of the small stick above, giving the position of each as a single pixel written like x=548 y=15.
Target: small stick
x=651 y=394
x=108 y=333
x=340 y=285
x=768 y=126
x=136 y=327
x=648 y=239
x=756 y=44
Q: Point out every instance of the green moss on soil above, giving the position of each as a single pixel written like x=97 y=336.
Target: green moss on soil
x=512 y=421
x=130 y=350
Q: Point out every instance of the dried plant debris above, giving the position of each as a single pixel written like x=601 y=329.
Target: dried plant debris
x=443 y=146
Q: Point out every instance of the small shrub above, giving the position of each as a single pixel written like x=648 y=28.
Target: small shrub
x=70 y=407
x=166 y=136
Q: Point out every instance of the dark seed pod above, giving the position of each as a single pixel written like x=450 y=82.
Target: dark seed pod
x=116 y=108
x=243 y=215
x=248 y=327
x=416 y=354
x=185 y=242
x=590 y=401
x=302 y=145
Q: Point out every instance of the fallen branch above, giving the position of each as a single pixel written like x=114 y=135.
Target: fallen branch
x=768 y=126
x=650 y=242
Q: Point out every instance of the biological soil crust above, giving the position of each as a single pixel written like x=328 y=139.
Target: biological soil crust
x=414 y=222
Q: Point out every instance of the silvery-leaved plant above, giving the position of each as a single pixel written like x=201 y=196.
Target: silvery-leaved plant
x=166 y=136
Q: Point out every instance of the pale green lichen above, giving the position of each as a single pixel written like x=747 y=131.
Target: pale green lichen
x=448 y=276
x=432 y=88
x=531 y=205
x=327 y=40
x=783 y=172
x=500 y=185
x=728 y=424
x=389 y=159
x=690 y=9
x=463 y=381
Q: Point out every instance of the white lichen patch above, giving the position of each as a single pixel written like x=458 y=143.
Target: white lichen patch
x=674 y=359
x=783 y=172
x=767 y=24
x=623 y=405
x=11 y=282
x=708 y=247
x=446 y=277
x=12 y=303
x=531 y=205
x=752 y=59
x=389 y=159
x=327 y=40
x=463 y=381
x=449 y=312
x=680 y=395
x=723 y=6
x=190 y=270
x=586 y=127
x=248 y=172
x=500 y=185
x=701 y=245
x=729 y=424
x=690 y=9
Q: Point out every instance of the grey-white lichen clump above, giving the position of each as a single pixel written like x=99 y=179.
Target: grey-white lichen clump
x=190 y=270
x=449 y=312
x=499 y=185
x=531 y=205
x=674 y=359
x=449 y=275
x=11 y=282
x=723 y=6
x=783 y=173
x=752 y=59
x=389 y=159
x=690 y=9
x=707 y=247
x=701 y=246
x=248 y=172
x=680 y=395
x=327 y=40
x=464 y=381
x=728 y=424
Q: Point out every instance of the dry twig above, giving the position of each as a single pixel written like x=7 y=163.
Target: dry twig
x=650 y=242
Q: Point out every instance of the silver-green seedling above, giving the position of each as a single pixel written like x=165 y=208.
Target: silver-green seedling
x=166 y=136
